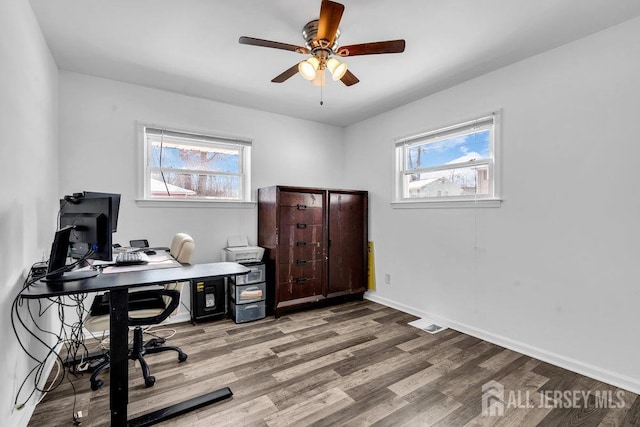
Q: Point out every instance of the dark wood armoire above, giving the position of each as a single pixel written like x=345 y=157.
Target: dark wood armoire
x=315 y=244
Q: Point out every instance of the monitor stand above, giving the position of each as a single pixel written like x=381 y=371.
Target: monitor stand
x=72 y=276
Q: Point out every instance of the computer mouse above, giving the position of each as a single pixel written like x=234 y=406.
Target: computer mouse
x=150 y=252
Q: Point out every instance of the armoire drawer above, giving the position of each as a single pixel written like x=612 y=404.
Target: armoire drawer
x=289 y=254
x=291 y=215
x=292 y=234
x=291 y=198
x=299 y=288
x=299 y=270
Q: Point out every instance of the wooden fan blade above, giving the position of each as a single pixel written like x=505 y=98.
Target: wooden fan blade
x=329 y=21
x=349 y=79
x=390 y=46
x=286 y=74
x=268 y=43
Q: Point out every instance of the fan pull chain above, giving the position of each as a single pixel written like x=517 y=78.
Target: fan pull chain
x=321 y=102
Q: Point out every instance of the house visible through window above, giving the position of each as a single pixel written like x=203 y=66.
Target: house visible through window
x=181 y=165
x=452 y=163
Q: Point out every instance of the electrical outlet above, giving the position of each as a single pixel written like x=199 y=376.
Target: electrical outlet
x=387 y=278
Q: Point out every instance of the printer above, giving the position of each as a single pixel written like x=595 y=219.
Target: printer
x=238 y=250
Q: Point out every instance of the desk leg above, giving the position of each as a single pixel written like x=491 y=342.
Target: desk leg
x=119 y=373
x=119 y=352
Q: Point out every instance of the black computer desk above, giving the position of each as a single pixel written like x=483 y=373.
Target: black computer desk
x=118 y=285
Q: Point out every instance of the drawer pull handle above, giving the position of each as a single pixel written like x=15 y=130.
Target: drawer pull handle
x=301 y=244
x=301 y=225
x=301 y=261
x=301 y=280
x=301 y=207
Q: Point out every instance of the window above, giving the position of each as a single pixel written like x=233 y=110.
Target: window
x=449 y=164
x=181 y=165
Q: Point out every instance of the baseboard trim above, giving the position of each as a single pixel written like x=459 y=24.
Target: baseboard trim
x=613 y=378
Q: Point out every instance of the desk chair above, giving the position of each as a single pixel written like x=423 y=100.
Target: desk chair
x=147 y=307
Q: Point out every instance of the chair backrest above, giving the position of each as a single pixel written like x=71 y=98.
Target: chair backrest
x=182 y=248
x=174 y=286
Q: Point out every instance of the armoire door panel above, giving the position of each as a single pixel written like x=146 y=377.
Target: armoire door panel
x=347 y=254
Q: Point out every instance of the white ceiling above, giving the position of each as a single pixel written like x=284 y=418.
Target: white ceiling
x=191 y=46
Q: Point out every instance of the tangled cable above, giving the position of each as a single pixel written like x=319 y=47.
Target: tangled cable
x=43 y=346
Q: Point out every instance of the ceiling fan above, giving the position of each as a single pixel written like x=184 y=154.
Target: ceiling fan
x=320 y=37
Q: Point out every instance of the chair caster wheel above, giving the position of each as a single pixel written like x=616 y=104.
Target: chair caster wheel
x=149 y=382
x=182 y=357
x=96 y=385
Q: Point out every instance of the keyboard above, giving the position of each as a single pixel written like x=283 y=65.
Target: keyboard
x=131 y=258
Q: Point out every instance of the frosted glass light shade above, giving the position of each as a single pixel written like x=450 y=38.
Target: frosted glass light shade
x=308 y=68
x=319 y=79
x=337 y=68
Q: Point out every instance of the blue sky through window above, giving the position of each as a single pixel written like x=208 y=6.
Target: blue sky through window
x=458 y=149
x=180 y=158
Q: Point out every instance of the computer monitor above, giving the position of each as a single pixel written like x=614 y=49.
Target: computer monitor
x=115 y=205
x=91 y=218
x=57 y=268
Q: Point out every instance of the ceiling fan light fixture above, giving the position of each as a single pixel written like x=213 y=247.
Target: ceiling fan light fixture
x=307 y=68
x=337 y=68
x=321 y=41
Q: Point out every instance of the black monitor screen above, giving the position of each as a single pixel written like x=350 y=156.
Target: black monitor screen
x=92 y=226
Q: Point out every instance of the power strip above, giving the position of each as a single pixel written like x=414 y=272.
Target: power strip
x=39 y=269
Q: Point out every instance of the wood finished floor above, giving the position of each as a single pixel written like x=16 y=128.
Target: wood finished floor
x=355 y=364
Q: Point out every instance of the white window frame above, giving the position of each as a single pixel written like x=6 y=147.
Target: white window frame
x=244 y=145
x=401 y=197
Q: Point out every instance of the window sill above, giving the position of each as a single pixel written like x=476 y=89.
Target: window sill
x=160 y=203
x=439 y=204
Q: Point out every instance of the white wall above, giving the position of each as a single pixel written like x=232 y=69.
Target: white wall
x=552 y=272
x=99 y=151
x=29 y=176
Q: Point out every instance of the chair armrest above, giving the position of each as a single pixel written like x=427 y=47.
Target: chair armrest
x=173 y=304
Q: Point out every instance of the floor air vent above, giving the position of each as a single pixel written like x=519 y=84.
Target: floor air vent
x=427 y=325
